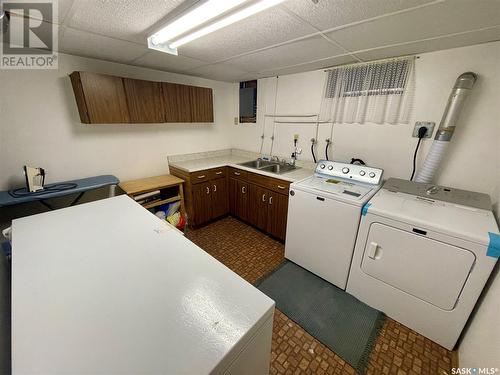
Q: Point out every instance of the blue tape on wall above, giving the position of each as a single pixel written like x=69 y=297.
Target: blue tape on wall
x=364 y=210
x=494 y=245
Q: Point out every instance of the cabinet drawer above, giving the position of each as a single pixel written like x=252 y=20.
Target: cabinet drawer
x=271 y=183
x=238 y=173
x=217 y=173
x=279 y=186
x=200 y=176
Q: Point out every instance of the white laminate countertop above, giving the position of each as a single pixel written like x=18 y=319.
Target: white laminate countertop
x=232 y=160
x=107 y=288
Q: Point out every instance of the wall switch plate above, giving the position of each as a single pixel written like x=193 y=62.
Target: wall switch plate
x=428 y=124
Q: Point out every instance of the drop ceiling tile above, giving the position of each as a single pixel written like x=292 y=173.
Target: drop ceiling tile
x=432 y=21
x=222 y=72
x=164 y=61
x=315 y=65
x=122 y=19
x=80 y=43
x=453 y=41
x=267 y=28
x=327 y=14
x=298 y=52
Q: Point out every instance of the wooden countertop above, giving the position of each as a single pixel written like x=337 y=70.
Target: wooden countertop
x=151 y=183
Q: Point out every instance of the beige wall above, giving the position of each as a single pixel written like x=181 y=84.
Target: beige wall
x=473 y=160
x=40 y=126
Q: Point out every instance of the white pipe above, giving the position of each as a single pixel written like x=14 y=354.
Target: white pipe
x=461 y=89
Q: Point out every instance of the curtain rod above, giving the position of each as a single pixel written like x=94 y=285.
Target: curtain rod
x=303 y=122
x=290 y=115
x=372 y=61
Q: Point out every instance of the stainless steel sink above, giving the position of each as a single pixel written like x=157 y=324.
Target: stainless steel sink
x=269 y=166
x=279 y=168
x=257 y=164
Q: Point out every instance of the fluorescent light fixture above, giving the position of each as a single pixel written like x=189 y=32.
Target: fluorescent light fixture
x=165 y=39
x=226 y=21
x=196 y=17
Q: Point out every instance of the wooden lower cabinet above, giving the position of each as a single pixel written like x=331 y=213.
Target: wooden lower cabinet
x=277 y=215
x=206 y=194
x=258 y=206
x=238 y=198
x=202 y=203
x=219 y=198
x=256 y=199
x=268 y=211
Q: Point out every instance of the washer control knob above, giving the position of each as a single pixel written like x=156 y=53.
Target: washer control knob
x=372 y=174
x=330 y=167
x=345 y=170
x=322 y=166
x=362 y=173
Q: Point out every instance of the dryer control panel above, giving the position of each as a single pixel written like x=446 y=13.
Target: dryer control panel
x=352 y=172
x=439 y=193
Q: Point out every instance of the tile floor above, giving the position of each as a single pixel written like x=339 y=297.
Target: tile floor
x=252 y=254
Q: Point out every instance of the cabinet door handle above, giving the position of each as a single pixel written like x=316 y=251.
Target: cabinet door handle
x=201 y=176
x=219 y=172
x=281 y=187
x=243 y=189
x=215 y=188
x=208 y=190
x=270 y=200
x=237 y=173
x=263 y=197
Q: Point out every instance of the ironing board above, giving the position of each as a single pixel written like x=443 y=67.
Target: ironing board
x=82 y=185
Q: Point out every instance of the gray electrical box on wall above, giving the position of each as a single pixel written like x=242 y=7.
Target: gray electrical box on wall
x=248 y=101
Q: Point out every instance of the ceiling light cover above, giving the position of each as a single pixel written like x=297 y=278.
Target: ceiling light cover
x=165 y=39
x=226 y=21
x=195 y=17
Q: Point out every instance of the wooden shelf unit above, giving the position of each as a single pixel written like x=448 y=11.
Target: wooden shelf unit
x=171 y=190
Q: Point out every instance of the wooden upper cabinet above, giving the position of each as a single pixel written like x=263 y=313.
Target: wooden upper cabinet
x=177 y=102
x=100 y=98
x=201 y=104
x=145 y=103
x=104 y=99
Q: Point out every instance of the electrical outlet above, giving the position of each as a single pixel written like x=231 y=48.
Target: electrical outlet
x=295 y=137
x=236 y=121
x=426 y=124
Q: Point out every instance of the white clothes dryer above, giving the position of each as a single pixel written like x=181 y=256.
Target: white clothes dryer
x=421 y=256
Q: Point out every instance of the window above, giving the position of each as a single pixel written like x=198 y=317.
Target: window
x=383 y=78
x=248 y=101
x=380 y=91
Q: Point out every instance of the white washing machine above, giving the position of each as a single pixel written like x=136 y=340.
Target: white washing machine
x=421 y=256
x=323 y=217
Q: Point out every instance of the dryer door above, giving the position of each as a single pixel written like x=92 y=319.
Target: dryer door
x=430 y=270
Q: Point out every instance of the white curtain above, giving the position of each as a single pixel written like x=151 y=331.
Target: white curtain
x=378 y=92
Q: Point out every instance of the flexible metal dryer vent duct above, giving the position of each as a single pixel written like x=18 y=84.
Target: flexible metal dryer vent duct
x=463 y=86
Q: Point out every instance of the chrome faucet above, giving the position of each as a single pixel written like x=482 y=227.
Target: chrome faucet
x=296 y=151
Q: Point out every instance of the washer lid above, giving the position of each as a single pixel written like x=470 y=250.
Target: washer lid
x=468 y=223
x=348 y=191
